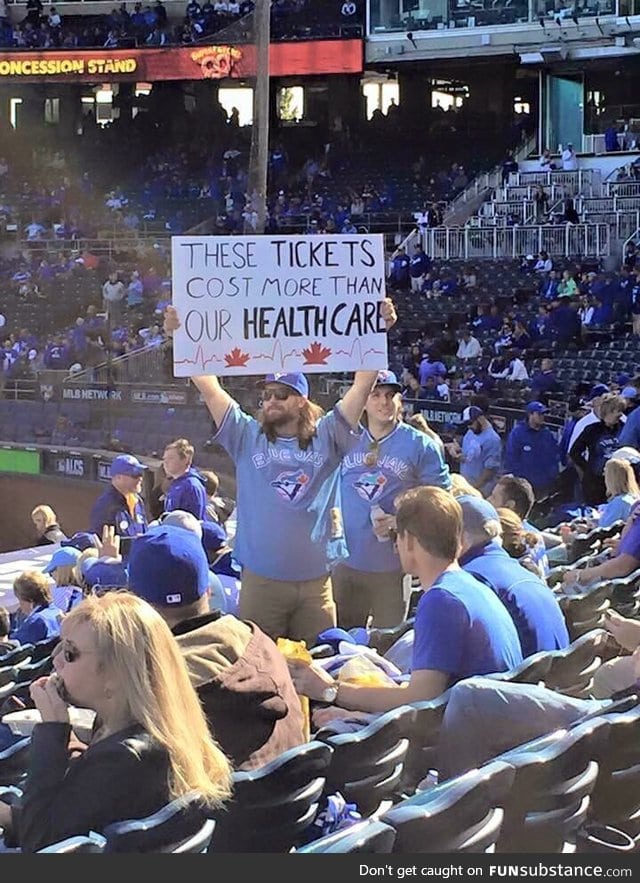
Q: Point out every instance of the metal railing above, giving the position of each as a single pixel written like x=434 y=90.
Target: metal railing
x=464 y=243
x=138 y=366
x=586 y=181
x=623 y=188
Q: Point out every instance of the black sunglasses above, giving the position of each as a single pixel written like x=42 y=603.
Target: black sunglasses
x=393 y=535
x=281 y=395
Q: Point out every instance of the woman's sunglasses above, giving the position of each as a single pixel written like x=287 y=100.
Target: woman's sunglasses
x=393 y=535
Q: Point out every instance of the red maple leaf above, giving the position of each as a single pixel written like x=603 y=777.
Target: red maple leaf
x=316 y=354
x=236 y=358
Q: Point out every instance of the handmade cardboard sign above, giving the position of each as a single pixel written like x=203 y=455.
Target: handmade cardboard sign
x=266 y=304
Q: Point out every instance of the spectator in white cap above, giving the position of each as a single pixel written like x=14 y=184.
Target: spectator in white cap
x=390 y=458
x=287 y=472
x=121 y=506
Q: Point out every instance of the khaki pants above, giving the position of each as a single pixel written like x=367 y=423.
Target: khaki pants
x=298 y=610
x=359 y=594
x=416 y=283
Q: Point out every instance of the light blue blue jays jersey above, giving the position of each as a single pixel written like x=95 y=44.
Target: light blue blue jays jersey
x=405 y=458
x=285 y=494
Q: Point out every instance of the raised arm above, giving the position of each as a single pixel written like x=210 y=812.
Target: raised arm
x=217 y=399
x=353 y=402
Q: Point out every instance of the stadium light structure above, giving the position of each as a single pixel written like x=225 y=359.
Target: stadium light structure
x=259 y=153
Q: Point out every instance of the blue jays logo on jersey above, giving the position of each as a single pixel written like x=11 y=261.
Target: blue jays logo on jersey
x=291 y=485
x=370 y=485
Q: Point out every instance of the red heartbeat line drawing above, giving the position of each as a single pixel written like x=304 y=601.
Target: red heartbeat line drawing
x=271 y=356
x=356 y=343
x=199 y=357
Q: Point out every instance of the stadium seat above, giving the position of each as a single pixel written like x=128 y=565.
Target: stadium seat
x=13 y=762
x=91 y=843
x=272 y=807
x=42 y=649
x=366 y=766
x=460 y=815
x=19 y=654
x=571 y=670
x=549 y=800
x=370 y=836
x=179 y=827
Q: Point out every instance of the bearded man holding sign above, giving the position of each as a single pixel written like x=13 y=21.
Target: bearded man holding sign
x=288 y=493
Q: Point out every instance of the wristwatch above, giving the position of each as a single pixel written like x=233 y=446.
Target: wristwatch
x=329 y=694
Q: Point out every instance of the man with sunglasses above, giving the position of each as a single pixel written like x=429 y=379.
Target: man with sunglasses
x=287 y=460
x=390 y=458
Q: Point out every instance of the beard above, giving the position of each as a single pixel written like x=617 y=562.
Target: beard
x=275 y=420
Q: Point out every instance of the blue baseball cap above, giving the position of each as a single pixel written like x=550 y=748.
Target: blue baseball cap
x=476 y=512
x=472 y=413
x=598 y=390
x=297 y=382
x=536 y=408
x=81 y=540
x=104 y=572
x=168 y=567
x=623 y=379
x=64 y=557
x=387 y=378
x=127 y=464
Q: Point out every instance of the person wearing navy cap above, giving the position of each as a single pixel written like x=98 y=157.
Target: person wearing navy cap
x=390 y=458
x=121 y=505
x=532 y=605
x=532 y=451
x=241 y=677
x=287 y=460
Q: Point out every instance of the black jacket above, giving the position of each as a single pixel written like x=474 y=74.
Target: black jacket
x=122 y=776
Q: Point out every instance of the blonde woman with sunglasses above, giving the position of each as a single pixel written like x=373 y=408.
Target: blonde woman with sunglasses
x=150 y=742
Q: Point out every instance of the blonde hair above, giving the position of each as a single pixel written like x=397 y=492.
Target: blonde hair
x=611 y=404
x=183 y=448
x=135 y=643
x=47 y=513
x=619 y=478
x=460 y=487
x=67 y=575
x=92 y=552
x=515 y=540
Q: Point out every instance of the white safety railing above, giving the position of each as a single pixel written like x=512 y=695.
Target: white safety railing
x=585 y=181
x=626 y=224
x=464 y=243
x=481 y=184
x=622 y=188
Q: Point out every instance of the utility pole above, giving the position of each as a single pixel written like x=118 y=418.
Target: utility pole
x=259 y=155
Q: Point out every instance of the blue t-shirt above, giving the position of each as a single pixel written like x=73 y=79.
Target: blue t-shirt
x=42 y=623
x=462 y=628
x=187 y=493
x=481 y=451
x=617 y=509
x=630 y=542
x=534 y=608
x=285 y=494
x=406 y=458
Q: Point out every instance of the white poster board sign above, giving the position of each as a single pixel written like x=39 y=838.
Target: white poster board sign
x=267 y=304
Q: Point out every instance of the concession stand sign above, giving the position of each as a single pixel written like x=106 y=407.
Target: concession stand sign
x=182 y=63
